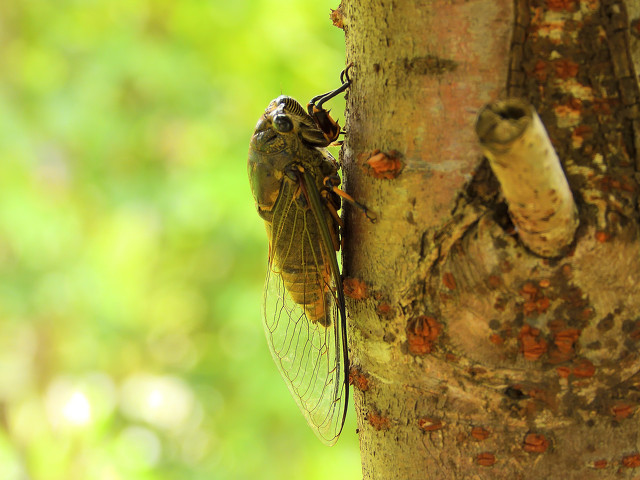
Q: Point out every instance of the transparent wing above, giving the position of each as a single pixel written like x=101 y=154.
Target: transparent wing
x=302 y=314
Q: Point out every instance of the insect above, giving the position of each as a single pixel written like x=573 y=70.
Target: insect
x=294 y=182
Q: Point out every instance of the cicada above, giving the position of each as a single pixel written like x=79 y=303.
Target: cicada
x=294 y=182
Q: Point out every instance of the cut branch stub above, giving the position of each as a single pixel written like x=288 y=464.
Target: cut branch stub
x=533 y=183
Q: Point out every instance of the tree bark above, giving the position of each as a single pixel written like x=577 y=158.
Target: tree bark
x=472 y=356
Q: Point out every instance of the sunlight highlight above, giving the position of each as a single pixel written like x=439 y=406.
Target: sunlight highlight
x=77 y=410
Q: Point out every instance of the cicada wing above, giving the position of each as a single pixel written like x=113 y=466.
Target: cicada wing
x=303 y=317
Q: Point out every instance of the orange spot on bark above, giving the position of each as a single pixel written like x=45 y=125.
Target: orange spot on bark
x=449 y=281
x=485 y=459
x=563 y=372
x=358 y=379
x=451 y=357
x=635 y=332
x=383 y=309
x=430 y=424
x=540 y=71
x=622 y=410
x=599 y=464
x=567 y=110
x=529 y=290
x=565 y=339
x=565 y=68
x=354 y=288
x=494 y=281
x=542 y=304
x=496 y=339
x=561 y=5
x=529 y=307
x=584 y=369
x=377 y=421
x=480 y=433
x=531 y=344
x=631 y=461
x=555 y=325
x=544 y=283
x=535 y=443
x=337 y=17
x=602 y=106
x=602 y=237
x=586 y=313
x=556 y=356
x=383 y=165
x=422 y=332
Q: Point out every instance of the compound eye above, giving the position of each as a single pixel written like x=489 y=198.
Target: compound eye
x=282 y=123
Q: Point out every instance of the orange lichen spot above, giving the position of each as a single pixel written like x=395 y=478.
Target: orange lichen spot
x=358 y=379
x=627 y=187
x=568 y=110
x=586 y=313
x=631 y=461
x=542 y=304
x=535 y=443
x=539 y=394
x=602 y=106
x=544 y=283
x=556 y=356
x=422 y=332
x=634 y=334
x=529 y=290
x=567 y=271
x=565 y=68
x=449 y=281
x=337 y=17
x=480 y=433
x=384 y=165
x=561 y=5
x=451 y=357
x=584 y=369
x=563 y=372
x=430 y=424
x=485 y=459
x=565 y=339
x=529 y=307
x=494 y=281
x=496 y=339
x=531 y=344
x=580 y=134
x=555 y=325
x=383 y=309
x=602 y=237
x=622 y=410
x=540 y=71
x=354 y=288
x=377 y=421
x=600 y=464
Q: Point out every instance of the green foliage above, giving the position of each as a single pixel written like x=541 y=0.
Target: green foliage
x=131 y=256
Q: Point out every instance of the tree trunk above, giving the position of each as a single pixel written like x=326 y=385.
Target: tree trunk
x=472 y=356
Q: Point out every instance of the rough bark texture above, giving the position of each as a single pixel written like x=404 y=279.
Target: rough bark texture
x=473 y=357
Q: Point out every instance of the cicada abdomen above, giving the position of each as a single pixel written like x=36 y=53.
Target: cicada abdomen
x=304 y=315
x=304 y=264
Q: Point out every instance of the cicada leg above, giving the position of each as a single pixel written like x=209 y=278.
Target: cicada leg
x=331 y=183
x=328 y=125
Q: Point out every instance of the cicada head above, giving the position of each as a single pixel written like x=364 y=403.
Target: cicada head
x=286 y=126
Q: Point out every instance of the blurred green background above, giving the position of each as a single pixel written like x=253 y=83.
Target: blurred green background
x=131 y=256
